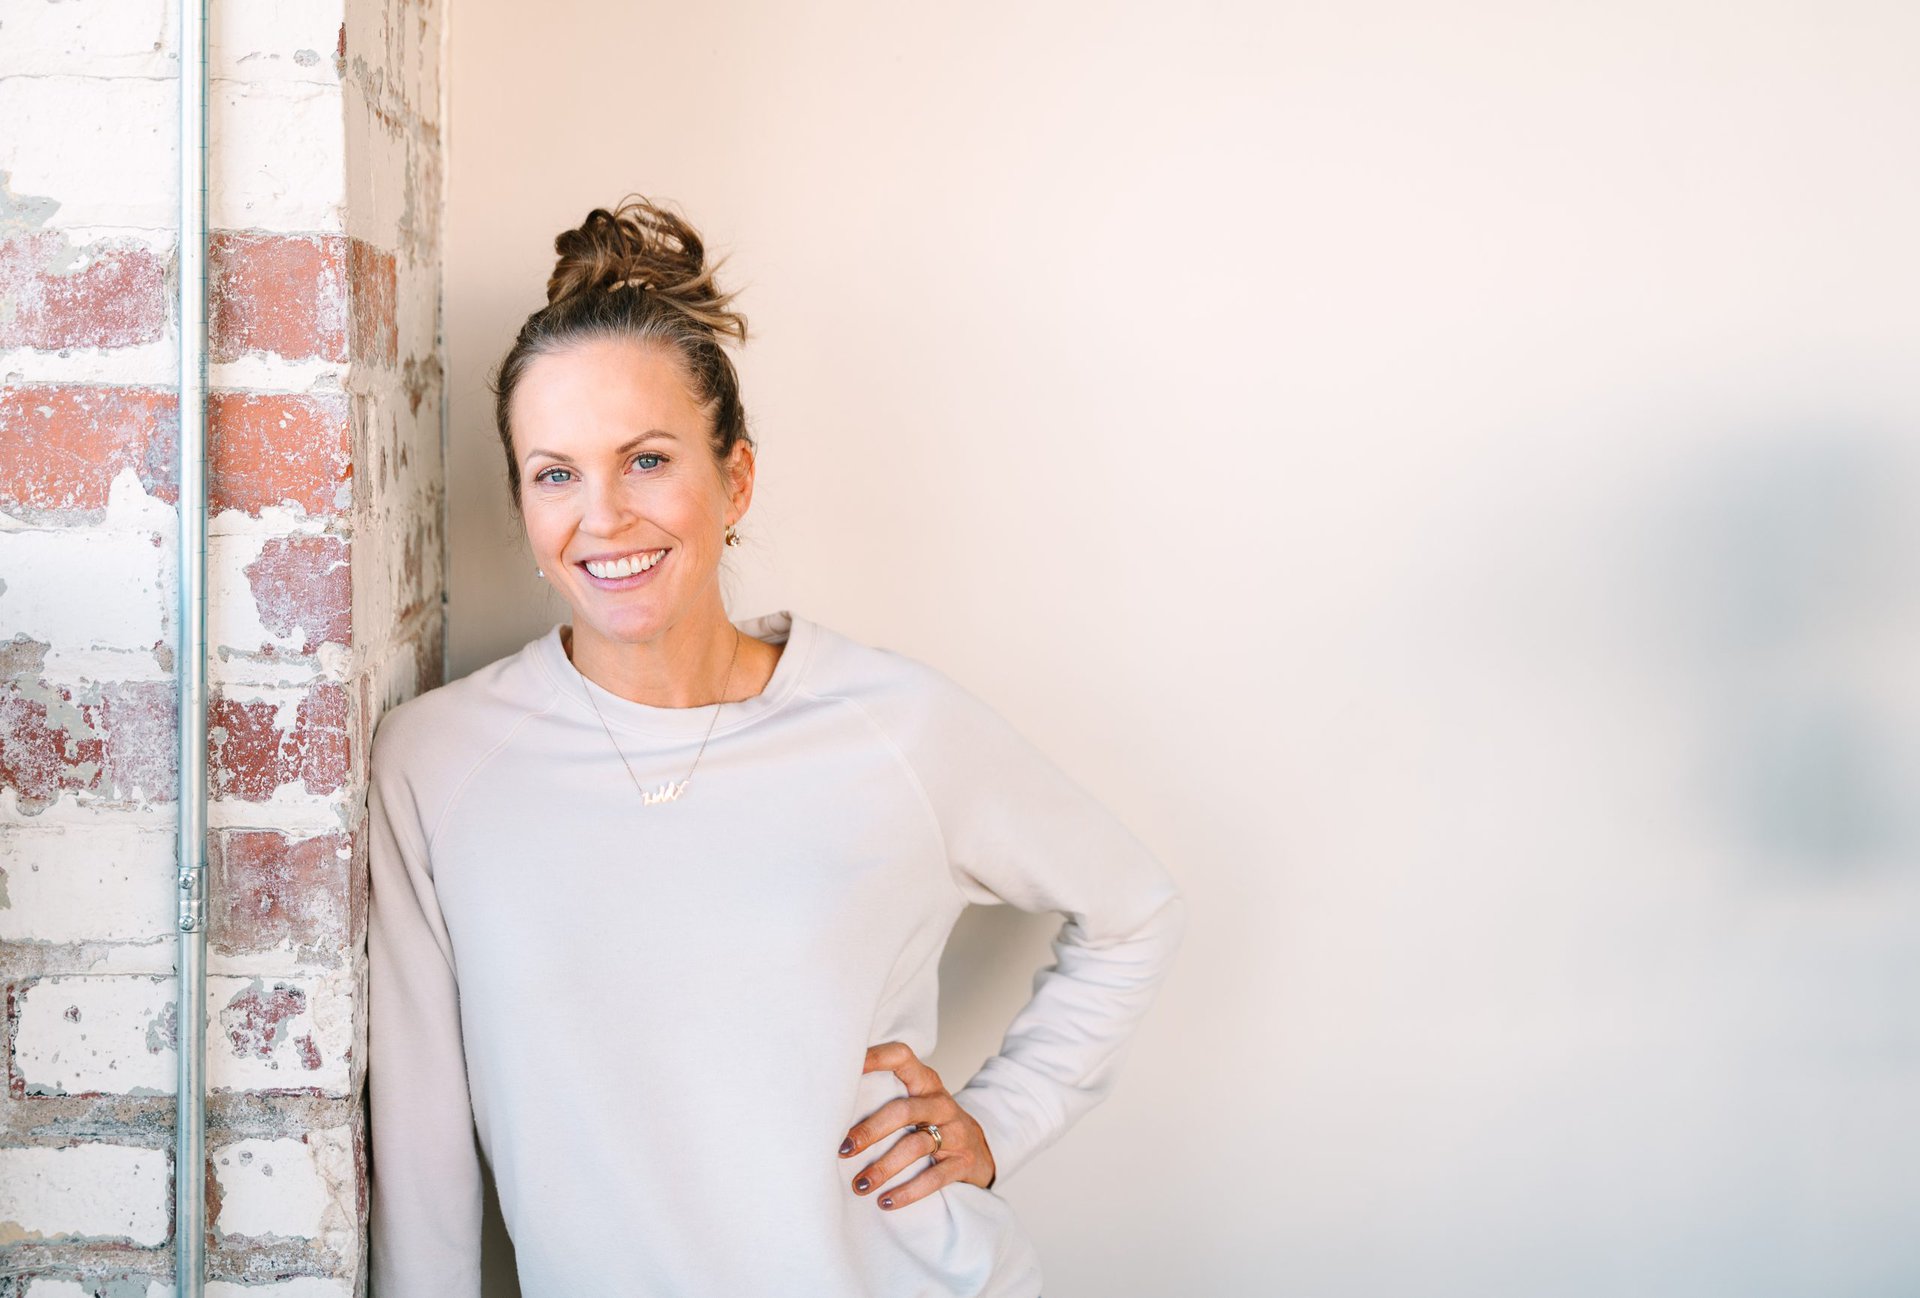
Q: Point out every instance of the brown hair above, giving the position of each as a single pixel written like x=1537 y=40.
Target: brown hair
x=638 y=272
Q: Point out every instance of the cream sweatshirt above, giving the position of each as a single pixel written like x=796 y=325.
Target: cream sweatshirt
x=650 y=1020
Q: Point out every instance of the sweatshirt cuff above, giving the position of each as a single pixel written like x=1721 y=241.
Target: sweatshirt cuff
x=1003 y=1097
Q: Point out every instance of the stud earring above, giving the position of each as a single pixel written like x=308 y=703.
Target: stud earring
x=733 y=537
x=539 y=572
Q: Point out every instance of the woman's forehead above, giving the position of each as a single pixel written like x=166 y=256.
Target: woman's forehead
x=601 y=394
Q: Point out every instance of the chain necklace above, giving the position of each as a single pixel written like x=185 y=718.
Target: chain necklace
x=673 y=788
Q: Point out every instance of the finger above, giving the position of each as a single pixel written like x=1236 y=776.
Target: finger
x=897 y=1057
x=904 y=1152
x=901 y=1111
x=944 y=1172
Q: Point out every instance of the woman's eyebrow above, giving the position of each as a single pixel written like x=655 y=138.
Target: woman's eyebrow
x=622 y=449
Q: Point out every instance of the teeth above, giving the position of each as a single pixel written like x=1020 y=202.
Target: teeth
x=625 y=566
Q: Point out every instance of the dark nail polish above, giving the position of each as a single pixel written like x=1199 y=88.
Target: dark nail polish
x=846 y=1146
x=886 y=1203
x=863 y=1185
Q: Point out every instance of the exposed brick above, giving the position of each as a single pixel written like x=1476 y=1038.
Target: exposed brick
x=111 y=293
x=253 y=756
x=91 y=1035
x=284 y=294
x=277 y=449
x=61 y=444
x=304 y=584
x=289 y=1035
x=269 y=889
x=90 y=468
x=376 y=334
x=112 y=741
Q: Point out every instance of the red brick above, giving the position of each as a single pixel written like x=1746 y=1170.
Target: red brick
x=62 y=444
x=118 y=299
x=252 y=757
x=277 y=449
x=376 y=335
x=285 y=294
x=269 y=888
x=105 y=742
x=305 y=583
x=254 y=1019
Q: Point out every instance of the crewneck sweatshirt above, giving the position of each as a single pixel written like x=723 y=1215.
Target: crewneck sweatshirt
x=650 y=1020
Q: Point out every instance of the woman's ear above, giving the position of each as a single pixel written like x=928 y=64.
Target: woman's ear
x=740 y=468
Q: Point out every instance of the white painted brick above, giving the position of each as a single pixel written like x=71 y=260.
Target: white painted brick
x=291 y=1187
x=377 y=184
x=89 y=1192
x=111 y=1033
x=233 y=614
x=44 y=1288
x=154 y=364
x=291 y=809
x=123 y=574
x=278 y=151
x=247 y=1052
x=102 y=38
x=288 y=40
x=105 y=147
x=83 y=1034
x=157 y=365
x=101 y=882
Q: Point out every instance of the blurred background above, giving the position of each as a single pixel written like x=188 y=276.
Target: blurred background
x=1446 y=474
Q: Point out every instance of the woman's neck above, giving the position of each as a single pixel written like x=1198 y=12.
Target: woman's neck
x=720 y=664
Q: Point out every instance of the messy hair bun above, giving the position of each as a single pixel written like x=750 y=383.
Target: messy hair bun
x=638 y=272
x=642 y=244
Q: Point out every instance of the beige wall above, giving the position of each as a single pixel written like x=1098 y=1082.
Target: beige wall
x=1445 y=473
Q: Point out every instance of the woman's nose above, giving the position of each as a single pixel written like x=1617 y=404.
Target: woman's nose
x=608 y=508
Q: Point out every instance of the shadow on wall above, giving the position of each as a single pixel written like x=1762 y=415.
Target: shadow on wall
x=1787 y=567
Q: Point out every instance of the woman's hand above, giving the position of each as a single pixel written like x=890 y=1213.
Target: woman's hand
x=963 y=1154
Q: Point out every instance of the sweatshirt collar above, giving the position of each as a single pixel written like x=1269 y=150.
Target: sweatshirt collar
x=780 y=626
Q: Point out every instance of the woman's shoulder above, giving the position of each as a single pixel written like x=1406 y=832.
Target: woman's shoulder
x=904 y=692
x=463 y=717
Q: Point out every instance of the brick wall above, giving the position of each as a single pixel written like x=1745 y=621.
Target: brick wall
x=326 y=569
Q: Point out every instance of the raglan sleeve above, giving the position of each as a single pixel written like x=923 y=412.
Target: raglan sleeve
x=1020 y=831
x=426 y=1189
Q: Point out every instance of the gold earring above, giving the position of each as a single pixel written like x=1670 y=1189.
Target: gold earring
x=733 y=537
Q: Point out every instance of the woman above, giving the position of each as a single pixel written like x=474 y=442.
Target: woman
x=658 y=901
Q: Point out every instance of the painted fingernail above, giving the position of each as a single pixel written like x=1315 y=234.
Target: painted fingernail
x=886 y=1203
x=846 y=1146
x=863 y=1184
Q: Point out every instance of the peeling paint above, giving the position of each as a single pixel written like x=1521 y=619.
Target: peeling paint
x=255 y=1019
x=23 y=212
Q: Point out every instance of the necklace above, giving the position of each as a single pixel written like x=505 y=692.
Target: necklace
x=672 y=788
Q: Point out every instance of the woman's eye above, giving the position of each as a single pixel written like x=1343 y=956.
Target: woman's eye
x=546 y=475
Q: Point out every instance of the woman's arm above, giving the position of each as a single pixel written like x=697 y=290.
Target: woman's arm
x=1019 y=830
x=425 y=1170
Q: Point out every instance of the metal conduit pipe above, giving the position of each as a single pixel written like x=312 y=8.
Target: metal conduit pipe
x=190 y=665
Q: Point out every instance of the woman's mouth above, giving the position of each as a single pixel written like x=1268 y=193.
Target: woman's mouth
x=630 y=570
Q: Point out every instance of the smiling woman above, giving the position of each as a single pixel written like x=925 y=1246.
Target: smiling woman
x=655 y=1037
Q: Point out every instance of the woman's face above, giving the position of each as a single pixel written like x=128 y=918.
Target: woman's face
x=615 y=463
